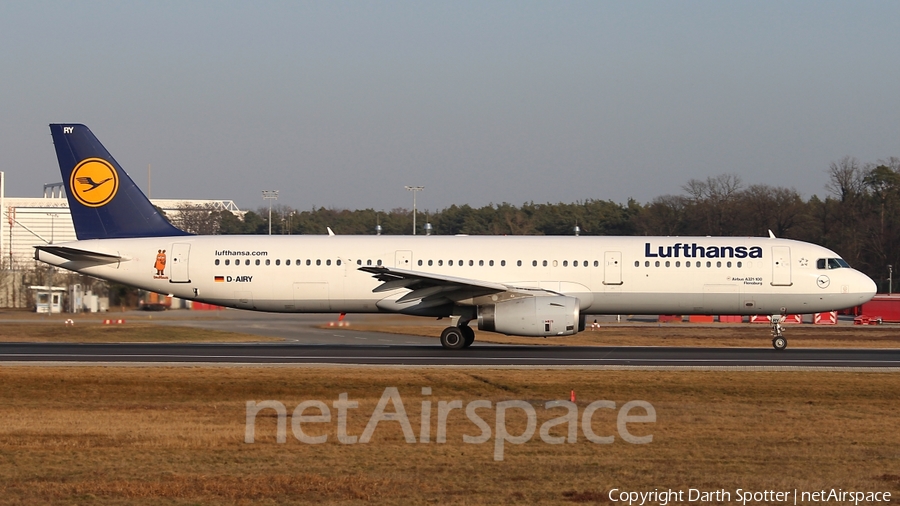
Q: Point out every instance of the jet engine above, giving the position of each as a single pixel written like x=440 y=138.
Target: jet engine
x=555 y=315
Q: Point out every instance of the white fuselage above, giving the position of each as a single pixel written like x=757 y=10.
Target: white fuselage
x=608 y=275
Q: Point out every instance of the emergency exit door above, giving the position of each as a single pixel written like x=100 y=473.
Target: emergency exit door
x=612 y=268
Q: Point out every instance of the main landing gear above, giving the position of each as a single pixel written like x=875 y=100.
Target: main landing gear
x=457 y=338
x=778 y=340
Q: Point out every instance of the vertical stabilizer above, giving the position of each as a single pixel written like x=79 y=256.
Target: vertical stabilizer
x=104 y=201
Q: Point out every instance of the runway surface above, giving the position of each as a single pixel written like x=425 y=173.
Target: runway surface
x=477 y=355
x=306 y=343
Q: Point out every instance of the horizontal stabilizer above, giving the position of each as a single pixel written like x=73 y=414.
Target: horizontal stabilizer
x=80 y=255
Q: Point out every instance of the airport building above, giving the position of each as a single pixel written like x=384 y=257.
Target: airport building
x=26 y=222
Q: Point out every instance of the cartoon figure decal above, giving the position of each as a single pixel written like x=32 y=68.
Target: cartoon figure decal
x=160 y=264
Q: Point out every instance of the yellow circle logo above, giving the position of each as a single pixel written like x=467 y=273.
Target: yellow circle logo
x=94 y=182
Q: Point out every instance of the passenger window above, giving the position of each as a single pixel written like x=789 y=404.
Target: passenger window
x=309 y=262
x=338 y=261
x=257 y=261
x=450 y=263
x=709 y=264
x=718 y=264
x=585 y=263
x=318 y=261
x=430 y=263
x=268 y=262
x=728 y=264
x=461 y=263
x=227 y=262
x=687 y=264
x=278 y=262
x=491 y=263
x=565 y=263
x=677 y=264
x=359 y=262
x=217 y=261
x=697 y=265
x=502 y=263
x=596 y=263
x=481 y=263
x=379 y=263
x=534 y=263
x=247 y=262
x=287 y=262
x=657 y=263
x=668 y=263
x=440 y=263
x=471 y=263
x=545 y=263
x=420 y=263
x=647 y=263
x=739 y=264
x=637 y=263
x=328 y=262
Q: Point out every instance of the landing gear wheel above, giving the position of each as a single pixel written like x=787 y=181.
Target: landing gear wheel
x=468 y=335
x=452 y=339
x=778 y=340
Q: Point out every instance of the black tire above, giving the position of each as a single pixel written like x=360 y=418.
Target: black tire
x=779 y=343
x=452 y=339
x=468 y=335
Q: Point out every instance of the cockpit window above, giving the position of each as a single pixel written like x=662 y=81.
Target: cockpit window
x=832 y=263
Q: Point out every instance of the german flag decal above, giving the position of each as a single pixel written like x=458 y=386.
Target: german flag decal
x=220 y=279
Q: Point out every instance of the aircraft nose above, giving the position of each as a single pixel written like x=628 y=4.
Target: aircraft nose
x=868 y=288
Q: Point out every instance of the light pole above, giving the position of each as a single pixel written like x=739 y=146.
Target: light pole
x=890 y=278
x=270 y=195
x=52 y=228
x=414 y=189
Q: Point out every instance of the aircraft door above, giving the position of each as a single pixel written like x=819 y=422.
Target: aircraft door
x=612 y=268
x=179 y=272
x=403 y=259
x=781 y=266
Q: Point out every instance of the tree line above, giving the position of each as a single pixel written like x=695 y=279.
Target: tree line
x=859 y=216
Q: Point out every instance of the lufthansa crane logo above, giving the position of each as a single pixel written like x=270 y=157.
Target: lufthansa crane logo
x=94 y=182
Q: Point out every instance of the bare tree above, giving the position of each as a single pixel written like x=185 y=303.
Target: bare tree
x=845 y=179
x=201 y=219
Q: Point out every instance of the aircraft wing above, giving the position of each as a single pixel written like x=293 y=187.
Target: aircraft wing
x=426 y=286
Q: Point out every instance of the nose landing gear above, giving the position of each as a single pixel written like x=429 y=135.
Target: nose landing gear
x=778 y=340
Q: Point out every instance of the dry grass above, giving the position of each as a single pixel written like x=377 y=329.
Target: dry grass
x=119 y=435
x=95 y=332
x=675 y=334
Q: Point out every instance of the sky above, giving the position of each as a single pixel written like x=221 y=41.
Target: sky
x=342 y=104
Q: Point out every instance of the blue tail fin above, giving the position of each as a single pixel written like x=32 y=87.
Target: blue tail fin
x=105 y=203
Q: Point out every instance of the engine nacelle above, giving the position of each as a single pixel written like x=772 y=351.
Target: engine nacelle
x=531 y=316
